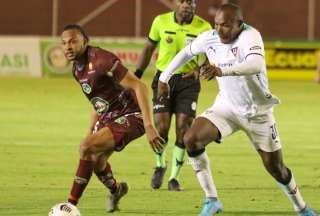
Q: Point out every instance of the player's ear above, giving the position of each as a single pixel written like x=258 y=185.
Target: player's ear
x=85 y=42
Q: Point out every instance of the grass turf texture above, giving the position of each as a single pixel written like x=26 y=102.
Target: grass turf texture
x=43 y=120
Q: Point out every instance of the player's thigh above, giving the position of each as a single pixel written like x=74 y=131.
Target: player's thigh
x=101 y=141
x=222 y=116
x=201 y=133
x=125 y=129
x=185 y=96
x=263 y=133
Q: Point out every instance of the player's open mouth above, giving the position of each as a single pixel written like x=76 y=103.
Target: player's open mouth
x=69 y=54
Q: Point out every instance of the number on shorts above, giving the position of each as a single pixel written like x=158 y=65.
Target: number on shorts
x=274 y=131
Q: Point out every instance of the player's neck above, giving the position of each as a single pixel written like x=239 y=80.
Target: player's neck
x=82 y=59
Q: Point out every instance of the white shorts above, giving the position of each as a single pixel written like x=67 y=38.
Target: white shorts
x=261 y=129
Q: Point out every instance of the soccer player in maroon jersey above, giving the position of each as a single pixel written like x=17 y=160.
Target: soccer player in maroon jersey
x=121 y=112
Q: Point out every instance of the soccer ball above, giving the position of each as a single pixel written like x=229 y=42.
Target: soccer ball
x=64 y=209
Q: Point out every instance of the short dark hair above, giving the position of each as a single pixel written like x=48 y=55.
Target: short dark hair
x=77 y=27
x=232 y=8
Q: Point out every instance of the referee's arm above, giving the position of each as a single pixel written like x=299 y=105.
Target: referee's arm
x=145 y=57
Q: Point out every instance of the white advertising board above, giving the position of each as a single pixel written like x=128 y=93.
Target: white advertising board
x=20 y=56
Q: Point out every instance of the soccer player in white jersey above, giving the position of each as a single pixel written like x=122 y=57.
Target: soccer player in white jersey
x=236 y=53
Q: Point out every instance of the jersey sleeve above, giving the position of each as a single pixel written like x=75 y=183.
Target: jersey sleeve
x=112 y=65
x=252 y=43
x=154 y=34
x=197 y=46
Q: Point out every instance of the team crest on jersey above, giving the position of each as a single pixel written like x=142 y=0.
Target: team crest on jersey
x=100 y=105
x=234 y=51
x=211 y=50
x=86 y=88
x=169 y=40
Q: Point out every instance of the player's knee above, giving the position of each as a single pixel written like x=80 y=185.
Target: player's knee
x=85 y=148
x=163 y=129
x=191 y=141
x=181 y=130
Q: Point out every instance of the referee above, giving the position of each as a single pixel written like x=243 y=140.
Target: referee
x=171 y=32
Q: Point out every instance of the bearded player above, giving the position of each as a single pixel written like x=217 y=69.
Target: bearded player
x=121 y=112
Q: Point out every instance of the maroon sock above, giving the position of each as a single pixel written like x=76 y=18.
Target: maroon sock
x=106 y=177
x=81 y=180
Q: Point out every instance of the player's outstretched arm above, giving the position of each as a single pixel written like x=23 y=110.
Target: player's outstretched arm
x=141 y=90
x=179 y=60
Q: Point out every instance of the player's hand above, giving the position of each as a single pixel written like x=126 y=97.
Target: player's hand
x=194 y=74
x=155 y=141
x=163 y=91
x=208 y=71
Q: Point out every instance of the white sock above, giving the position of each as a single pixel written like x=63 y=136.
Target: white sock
x=293 y=194
x=201 y=166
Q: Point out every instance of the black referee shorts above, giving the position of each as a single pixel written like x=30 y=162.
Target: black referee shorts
x=184 y=94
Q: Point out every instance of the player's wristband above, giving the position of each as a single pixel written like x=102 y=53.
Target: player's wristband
x=138 y=73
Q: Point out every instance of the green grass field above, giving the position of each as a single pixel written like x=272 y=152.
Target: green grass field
x=43 y=120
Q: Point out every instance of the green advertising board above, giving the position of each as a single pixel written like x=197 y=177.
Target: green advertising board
x=55 y=64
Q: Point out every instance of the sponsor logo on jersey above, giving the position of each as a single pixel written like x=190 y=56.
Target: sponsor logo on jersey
x=255 y=48
x=169 y=40
x=86 y=88
x=100 y=105
x=225 y=65
x=234 y=51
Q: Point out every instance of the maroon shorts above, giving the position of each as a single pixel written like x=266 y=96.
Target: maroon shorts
x=124 y=129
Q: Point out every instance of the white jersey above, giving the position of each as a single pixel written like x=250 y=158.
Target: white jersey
x=248 y=95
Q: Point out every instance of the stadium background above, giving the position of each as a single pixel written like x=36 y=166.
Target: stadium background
x=43 y=114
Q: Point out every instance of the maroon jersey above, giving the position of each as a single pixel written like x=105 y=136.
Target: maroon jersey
x=99 y=79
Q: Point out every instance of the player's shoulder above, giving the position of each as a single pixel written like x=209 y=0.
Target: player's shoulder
x=94 y=52
x=99 y=56
x=211 y=35
x=249 y=31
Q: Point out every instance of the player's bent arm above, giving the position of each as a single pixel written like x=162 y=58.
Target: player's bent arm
x=141 y=91
x=145 y=57
x=179 y=60
x=253 y=64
